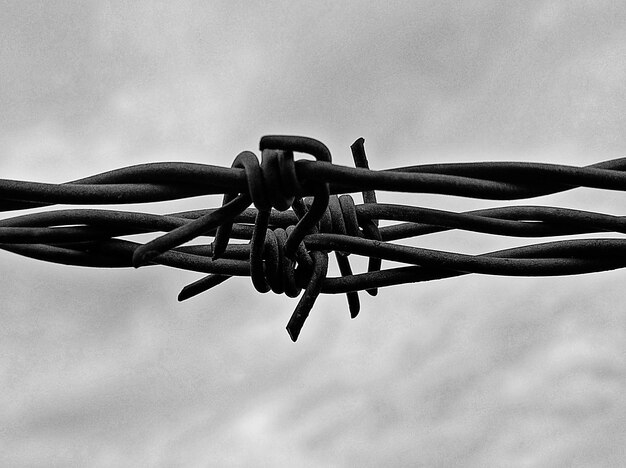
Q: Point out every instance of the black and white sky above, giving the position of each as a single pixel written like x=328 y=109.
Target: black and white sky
x=105 y=368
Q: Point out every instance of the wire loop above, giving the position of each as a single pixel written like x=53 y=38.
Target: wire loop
x=321 y=190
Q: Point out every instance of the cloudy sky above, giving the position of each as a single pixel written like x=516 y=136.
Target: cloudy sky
x=105 y=368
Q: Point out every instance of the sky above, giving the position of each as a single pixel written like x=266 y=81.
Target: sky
x=105 y=368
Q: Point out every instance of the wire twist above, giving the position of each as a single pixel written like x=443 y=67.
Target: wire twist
x=303 y=211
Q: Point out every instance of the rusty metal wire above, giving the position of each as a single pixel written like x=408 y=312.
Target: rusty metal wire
x=303 y=211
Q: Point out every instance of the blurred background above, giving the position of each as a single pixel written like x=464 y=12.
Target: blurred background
x=105 y=368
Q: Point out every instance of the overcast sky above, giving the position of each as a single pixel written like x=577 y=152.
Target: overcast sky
x=106 y=368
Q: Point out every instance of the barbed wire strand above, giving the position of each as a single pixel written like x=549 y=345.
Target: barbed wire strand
x=303 y=210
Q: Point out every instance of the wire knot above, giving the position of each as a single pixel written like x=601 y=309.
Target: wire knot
x=274 y=184
x=340 y=217
x=271 y=269
x=278 y=259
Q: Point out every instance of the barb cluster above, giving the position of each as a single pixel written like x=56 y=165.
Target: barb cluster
x=303 y=211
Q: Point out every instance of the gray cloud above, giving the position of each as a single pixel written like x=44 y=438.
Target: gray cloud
x=106 y=368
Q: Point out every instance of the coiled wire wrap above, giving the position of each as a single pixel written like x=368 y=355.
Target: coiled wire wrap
x=303 y=211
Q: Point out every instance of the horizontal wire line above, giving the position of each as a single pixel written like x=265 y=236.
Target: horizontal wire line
x=97 y=237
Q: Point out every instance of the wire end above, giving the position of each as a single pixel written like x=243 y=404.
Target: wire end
x=200 y=286
x=142 y=257
x=185 y=293
x=294 y=332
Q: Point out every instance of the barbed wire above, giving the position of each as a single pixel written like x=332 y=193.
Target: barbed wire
x=303 y=210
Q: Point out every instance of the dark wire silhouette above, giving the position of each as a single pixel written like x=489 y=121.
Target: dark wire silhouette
x=303 y=211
